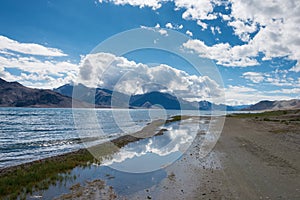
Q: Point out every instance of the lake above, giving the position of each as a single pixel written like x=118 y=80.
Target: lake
x=28 y=134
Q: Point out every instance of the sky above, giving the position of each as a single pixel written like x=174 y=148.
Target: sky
x=252 y=45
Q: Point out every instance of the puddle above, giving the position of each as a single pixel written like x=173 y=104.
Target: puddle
x=123 y=183
x=137 y=166
x=157 y=152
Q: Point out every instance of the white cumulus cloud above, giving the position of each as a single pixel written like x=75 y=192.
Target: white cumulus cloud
x=157 y=28
x=275 y=26
x=154 y=4
x=189 y=33
x=173 y=26
x=22 y=62
x=7 y=44
x=169 y=25
x=118 y=73
x=255 y=77
x=224 y=53
x=269 y=27
x=196 y=10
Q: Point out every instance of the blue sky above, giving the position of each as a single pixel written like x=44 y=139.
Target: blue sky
x=253 y=44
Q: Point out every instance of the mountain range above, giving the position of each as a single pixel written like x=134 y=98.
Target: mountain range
x=274 y=105
x=108 y=98
x=13 y=94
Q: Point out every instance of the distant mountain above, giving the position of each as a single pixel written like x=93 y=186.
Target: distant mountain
x=13 y=94
x=169 y=101
x=239 y=107
x=98 y=96
x=104 y=97
x=275 y=105
x=164 y=100
x=206 y=105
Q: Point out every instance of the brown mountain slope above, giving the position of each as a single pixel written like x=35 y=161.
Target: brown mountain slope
x=13 y=94
x=276 y=105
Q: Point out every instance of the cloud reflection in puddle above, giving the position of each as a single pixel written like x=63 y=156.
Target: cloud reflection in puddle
x=157 y=152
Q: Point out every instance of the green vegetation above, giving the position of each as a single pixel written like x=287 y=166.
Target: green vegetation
x=281 y=116
x=279 y=131
x=279 y=122
x=176 y=118
x=264 y=114
x=39 y=175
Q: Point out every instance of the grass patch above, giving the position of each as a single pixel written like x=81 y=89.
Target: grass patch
x=279 y=131
x=264 y=115
x=295 y=120
x=39 y=175
x=176 y=118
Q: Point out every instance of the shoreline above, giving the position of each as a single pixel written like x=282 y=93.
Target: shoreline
x=68 y=161
x=258 y=140
x=119 y=142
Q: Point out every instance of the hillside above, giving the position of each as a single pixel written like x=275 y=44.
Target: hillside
x=13 y=94
x=275 y=105
x=160 y=99
x=98 y=96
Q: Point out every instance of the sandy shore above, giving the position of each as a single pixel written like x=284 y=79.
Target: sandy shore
x=253 y=159
x=249 y=161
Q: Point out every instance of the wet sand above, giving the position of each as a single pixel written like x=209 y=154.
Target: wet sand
x=253 y=159
x=249 y=161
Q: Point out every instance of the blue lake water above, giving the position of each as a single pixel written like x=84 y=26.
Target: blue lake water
x=28 y=134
